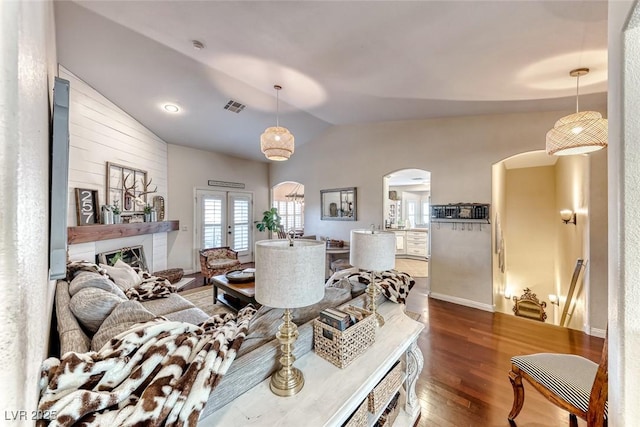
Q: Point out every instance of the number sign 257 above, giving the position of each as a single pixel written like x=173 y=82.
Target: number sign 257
x=87 y=206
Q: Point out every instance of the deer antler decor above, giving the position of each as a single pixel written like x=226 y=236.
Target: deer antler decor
x=129 y=192
x=145 y=186
x=130 y=196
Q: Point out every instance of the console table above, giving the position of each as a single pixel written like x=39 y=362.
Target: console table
x=330 y=394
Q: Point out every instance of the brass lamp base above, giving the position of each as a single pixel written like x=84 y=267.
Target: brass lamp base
x=287 y=380
x=286 y=384
x=373 y=292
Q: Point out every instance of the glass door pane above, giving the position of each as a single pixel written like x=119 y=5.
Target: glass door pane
x=239 y=228
x=212 y=209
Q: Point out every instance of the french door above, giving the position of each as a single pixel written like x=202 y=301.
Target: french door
x=223 y=218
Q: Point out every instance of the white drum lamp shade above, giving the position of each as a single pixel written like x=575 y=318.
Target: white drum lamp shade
x=373 y=250
x=289 y=276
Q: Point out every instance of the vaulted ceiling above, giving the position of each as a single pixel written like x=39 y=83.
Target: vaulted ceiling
x=339 y=62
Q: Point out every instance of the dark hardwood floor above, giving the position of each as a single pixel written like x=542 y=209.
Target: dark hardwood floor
x=466 y=360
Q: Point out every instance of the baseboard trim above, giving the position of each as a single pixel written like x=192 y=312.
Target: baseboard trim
x=462 y=301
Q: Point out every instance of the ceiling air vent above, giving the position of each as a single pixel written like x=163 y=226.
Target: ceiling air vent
x=234 y=106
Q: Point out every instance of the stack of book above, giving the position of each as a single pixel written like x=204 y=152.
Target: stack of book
x=335 y=318
x=341 y=319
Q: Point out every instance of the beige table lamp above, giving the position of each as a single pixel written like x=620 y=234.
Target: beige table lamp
x=289 y=274
x=374 y=251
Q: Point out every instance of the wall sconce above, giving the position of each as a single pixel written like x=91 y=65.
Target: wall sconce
x=553 y=298
x=568 y=216
x=507 y=293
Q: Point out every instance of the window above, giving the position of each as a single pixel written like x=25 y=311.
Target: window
x=241 y=223
x=291 y=214
x=411 y=212
x=425 y=212
x=212 y=222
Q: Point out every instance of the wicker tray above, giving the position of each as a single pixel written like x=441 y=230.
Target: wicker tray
x=386 y=388
x=342 y=347
x=359 y=417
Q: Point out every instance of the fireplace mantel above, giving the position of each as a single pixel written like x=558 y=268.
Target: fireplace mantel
x=94 y=233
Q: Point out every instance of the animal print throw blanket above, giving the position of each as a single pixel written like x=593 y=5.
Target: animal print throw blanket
x=151 y=287
x=158 y=373
x=395 y=285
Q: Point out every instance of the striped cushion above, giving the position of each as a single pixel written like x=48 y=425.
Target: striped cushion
x=568 y=376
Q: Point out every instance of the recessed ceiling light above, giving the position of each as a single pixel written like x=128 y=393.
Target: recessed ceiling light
x=171 y=108
x=197 y=44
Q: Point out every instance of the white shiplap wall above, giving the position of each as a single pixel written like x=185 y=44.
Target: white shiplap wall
x=101 y=132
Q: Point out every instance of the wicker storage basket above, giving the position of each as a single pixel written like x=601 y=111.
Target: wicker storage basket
x=386 y=388
x=342 y=347
x=173 y=275
x=359 y=417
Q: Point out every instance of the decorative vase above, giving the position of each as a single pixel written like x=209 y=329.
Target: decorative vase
x=154 y=216
x=116 y=218
x=147 y=217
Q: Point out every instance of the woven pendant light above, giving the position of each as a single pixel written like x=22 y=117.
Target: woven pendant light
x=578 y=133
x=277 y=143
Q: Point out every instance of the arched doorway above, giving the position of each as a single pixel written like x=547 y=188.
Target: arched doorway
x=533 y=248
x=406 y=201
x=288 y=198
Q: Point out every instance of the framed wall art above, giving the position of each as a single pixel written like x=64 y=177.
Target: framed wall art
x=87 y=211
x=127 y=187
x=338 y=204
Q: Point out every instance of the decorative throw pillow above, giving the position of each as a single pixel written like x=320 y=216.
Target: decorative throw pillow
x=123 y=275
x=121 y=319
x=394 y=284
x=86 y=279
x=340 y=279
x=92 y=305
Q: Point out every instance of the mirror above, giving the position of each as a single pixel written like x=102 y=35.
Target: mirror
x=338 y=204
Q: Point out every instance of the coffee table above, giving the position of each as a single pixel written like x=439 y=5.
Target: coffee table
x=243 y=293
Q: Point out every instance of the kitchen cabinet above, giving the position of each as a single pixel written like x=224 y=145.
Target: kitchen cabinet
x=401 y=247
x=416 y=244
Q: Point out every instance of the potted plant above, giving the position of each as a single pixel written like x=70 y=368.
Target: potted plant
x=116 y=212
x=270 y=220
x=147 y=212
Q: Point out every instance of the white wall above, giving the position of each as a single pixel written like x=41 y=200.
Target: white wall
x=27 y=68
x=459 y=152
x=597 y=270
x=498 y=221
x=530 y=232
x=624 y=221
x=101 y=132
x=572 y=192
x=190 y=169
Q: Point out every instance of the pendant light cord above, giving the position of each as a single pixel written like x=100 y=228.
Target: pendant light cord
x=277 y=107
x=577 y=93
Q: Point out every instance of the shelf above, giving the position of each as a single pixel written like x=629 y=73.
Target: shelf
x=94 y=233
x=481 y=221
x=461 y=212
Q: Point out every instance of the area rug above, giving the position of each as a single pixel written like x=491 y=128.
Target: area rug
x=202 y=298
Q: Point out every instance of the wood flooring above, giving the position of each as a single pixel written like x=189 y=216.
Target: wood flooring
x=466 y=360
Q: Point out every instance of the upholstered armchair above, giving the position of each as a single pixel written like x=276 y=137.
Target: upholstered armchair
x=216 y=261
